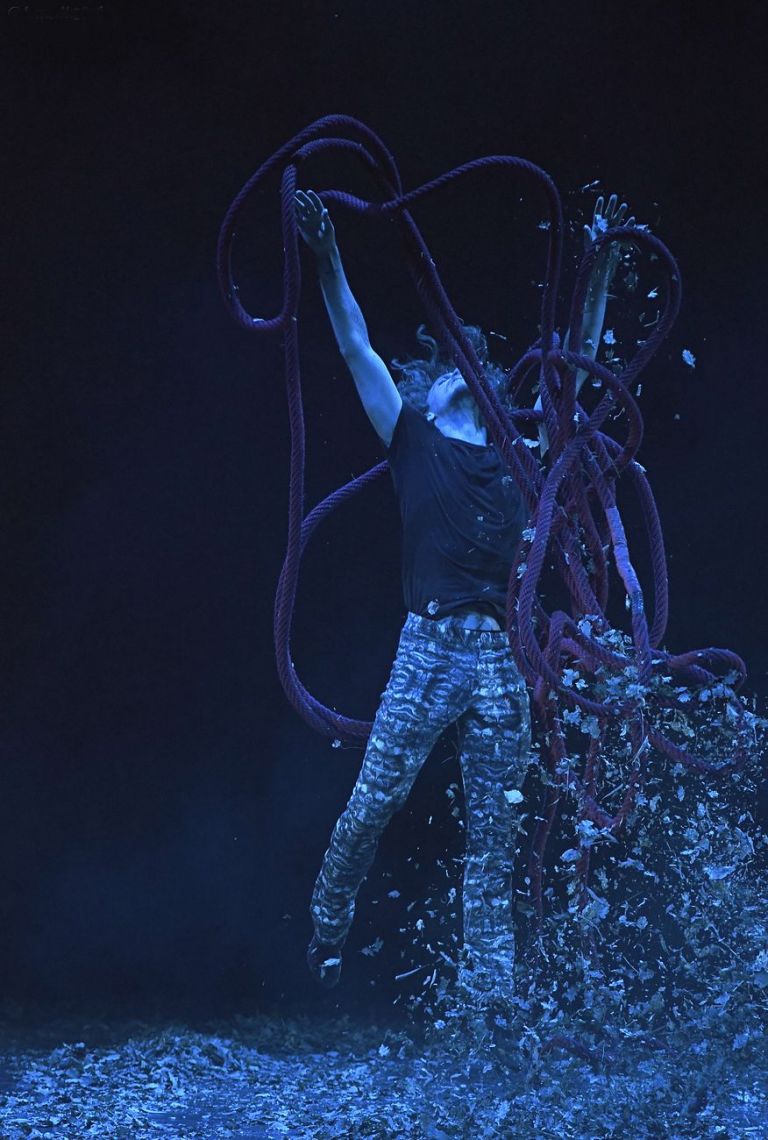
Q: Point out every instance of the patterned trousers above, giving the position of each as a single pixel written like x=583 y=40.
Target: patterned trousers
x=442 y=673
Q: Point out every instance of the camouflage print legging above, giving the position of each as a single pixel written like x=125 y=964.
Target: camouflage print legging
x=442 y=673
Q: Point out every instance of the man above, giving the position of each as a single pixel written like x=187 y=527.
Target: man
x=462 y=517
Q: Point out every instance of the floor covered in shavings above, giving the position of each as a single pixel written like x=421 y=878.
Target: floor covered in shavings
x=267 y=1077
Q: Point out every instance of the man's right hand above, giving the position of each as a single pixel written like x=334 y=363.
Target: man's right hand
x=315 y=226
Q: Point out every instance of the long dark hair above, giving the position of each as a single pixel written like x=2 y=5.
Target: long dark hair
x=418 y=374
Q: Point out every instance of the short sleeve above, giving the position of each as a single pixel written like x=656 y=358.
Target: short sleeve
x=410 y=428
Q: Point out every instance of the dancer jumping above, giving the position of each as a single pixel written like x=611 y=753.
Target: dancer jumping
x=462 y=516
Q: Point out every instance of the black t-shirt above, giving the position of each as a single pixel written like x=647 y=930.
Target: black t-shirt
x=462 y=515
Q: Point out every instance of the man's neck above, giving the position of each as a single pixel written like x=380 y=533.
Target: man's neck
x=464 y=427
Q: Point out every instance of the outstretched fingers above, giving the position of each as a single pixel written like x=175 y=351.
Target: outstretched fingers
x=316 y=201
x=309 y=204
x=609 y=215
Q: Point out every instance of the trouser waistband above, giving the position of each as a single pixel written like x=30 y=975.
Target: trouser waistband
x=451 y=628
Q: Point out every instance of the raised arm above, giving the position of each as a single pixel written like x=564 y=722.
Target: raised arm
x=605 y=217
x=375 y=386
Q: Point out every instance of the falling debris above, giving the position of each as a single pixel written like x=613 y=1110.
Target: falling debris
x=513 y=796
x=689 y=358
x=608 y=336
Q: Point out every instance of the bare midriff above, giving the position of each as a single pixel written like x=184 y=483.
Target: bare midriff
x=473 y=619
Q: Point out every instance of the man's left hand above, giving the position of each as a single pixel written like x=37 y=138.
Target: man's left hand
x=606 y=216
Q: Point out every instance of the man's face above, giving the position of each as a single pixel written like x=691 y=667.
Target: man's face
x=446 y=391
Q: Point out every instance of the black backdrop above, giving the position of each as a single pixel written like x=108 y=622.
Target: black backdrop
x=164 y=809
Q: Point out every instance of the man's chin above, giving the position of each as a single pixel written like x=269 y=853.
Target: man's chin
x=462 y=397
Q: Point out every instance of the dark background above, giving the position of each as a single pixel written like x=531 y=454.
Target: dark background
x=164 y=810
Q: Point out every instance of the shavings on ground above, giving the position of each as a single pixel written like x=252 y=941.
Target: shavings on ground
x=643 y=1017
x=268 y=1077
